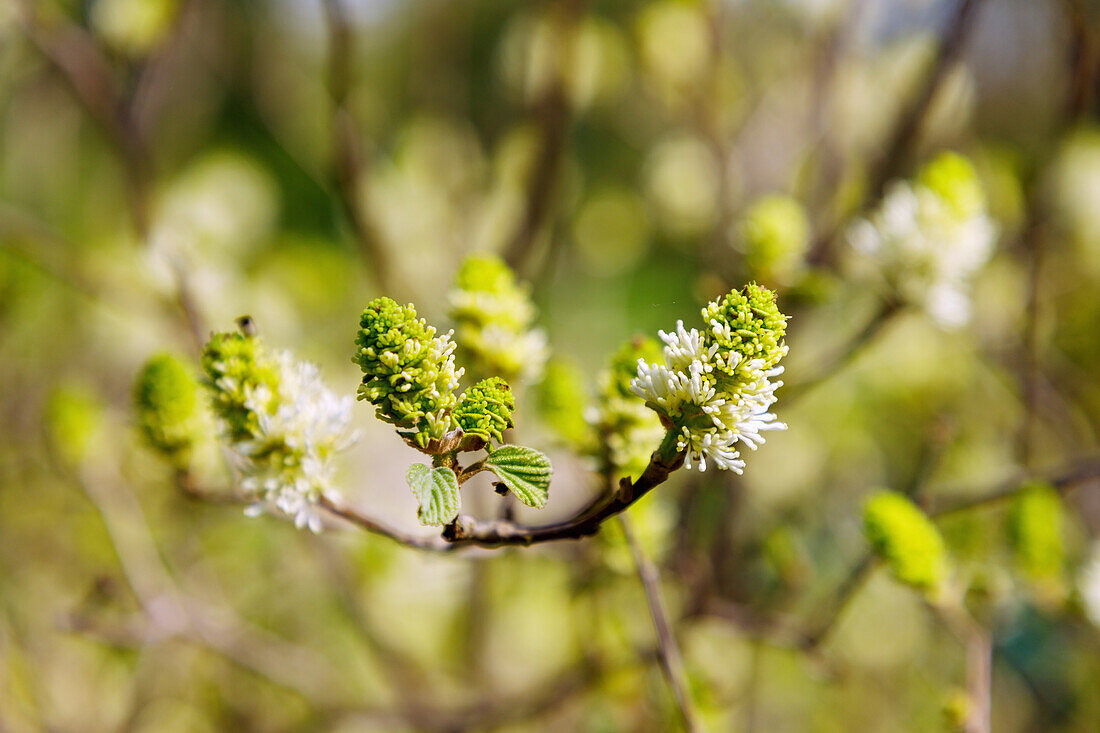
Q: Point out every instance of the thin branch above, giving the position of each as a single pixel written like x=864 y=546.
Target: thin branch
x=837 y=603
x=168 y=613
x=553 y=113
x=1083 y=57
x=979 y=663
x=83 y=65
x=951 y=48
x=348 y=164
x=905 y=131
x=370 y=524
x=668 y=651
x=979 y=678
x=1082 y=70
x=1064 y=481
x=469 y=532
x=844 y=356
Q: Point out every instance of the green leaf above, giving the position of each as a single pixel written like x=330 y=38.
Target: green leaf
x=525 y=472
x=437 y=491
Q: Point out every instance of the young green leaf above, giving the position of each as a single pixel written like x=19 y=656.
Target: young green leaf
x=525 y=472
x=437 y=491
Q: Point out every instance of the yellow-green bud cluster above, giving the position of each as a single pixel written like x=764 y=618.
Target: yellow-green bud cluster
x=952 y=177
x=905 y=538
x=166 y=407
x=73 y=415
x=234 y=370
x=628 y=430
x=280 y=422
x=746 y=323
x=485 y=410
x=774 y=233
x=1035 y=530
x=409 y=372
x=715 y=387
x=494 y=320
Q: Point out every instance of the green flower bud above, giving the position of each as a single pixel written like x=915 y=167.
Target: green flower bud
x=1035 y=527
x=73 y=414
x=166 y=407
x=627 y=429
x=485 y=410
x=486 y=273
x=234 y=367
x=493 y=317
x=561 y=399
x=623 y=367
x=775 y=232
x=408 y=372
x=280 y=422
x=905 y=538
x=746 y=322
x=952 y=177
x=958 y=708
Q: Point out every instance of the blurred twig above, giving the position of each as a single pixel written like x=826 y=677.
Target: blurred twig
x=467 y=531
x=84 y=66
x=1064 y=480
x=979 y=663
x=348 y=165
x=552 y=111
x=1082 y=68
x=844 y=356
x=169 y=613
x=891 y=161
x=835 y=44
x=668 y=650
x=837 y=603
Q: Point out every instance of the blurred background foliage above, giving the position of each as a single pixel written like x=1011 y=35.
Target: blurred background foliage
x=168 y=165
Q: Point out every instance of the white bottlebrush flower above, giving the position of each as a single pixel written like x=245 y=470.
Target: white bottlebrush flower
x=715 y=387
x=929 y=237
x=282 y=426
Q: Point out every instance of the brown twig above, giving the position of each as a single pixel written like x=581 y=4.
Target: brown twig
x=469 y=532
x=553 y=113
x=1063 y=480
x=668 y=650
x=83 y=65
x=837 y=603
x=348 y=164
x=979 y=663
x=891 y=161
x=979 y=678
x=167 y=612
x=844 y=356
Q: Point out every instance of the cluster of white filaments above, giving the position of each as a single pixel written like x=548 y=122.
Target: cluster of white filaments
x=928 y=248
x=286 y=464
x=711 y=411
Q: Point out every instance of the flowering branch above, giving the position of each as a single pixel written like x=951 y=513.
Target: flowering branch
x=955 y=36
x=466 y=531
